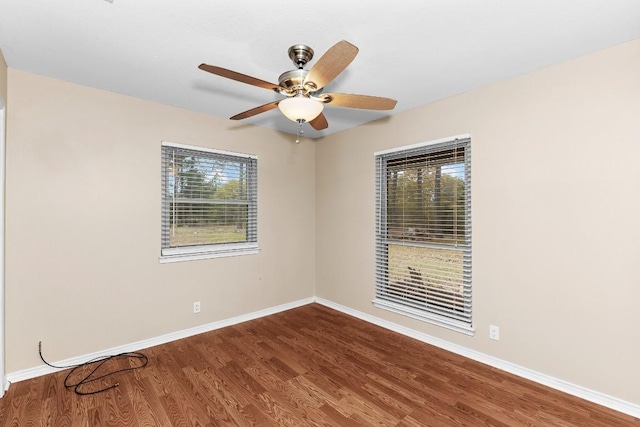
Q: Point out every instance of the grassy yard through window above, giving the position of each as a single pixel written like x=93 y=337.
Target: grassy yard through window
x=206 y=234
x=426 y=275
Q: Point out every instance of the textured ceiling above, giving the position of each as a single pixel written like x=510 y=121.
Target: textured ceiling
x=413 y=51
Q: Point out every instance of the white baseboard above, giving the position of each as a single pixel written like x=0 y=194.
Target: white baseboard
x=564 y=386
x=37 y=371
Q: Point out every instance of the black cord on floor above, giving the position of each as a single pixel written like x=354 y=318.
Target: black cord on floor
x=98 y=361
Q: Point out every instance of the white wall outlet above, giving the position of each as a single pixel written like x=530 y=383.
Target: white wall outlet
x=196 y=307
x=494 y=332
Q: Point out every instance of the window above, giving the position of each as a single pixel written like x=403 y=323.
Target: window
x=209 y=203
x=423 y=232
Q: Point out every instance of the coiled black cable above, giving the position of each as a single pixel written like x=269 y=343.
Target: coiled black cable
x=99 y=362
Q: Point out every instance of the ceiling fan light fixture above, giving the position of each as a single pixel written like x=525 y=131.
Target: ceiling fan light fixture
x=300 y=108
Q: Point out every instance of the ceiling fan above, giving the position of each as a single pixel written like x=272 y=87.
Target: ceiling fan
x=303 y=89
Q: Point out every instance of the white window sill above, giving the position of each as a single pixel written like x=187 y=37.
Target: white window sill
x=206 y=252
x=425 y=317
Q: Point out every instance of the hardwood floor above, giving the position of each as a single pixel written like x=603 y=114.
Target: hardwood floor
x=306 y=366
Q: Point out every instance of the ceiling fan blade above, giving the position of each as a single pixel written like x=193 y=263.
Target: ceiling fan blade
x=254 y=111
x=319 y=122
x=332 y=63
x=243 y=78
x=365 y=102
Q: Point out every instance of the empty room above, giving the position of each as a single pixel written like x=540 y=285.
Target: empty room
x=336 y=213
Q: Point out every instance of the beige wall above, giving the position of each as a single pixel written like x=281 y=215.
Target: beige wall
x=83 y=222
x=555 y=172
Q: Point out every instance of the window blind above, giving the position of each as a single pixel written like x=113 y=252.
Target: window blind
x=423 y=232
x=209 y=200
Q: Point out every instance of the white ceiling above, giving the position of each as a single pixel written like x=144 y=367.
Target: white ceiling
x=415 y=51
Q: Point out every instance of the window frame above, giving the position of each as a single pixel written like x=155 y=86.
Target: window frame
x=213 y=250
x=384 y=299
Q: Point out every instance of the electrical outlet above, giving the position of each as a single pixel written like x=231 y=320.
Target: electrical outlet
x=494 y=332
x=196 y=307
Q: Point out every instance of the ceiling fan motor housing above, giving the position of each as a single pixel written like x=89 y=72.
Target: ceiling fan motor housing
x=292 y=80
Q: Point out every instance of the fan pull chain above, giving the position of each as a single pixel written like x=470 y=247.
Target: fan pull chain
x=300 y=130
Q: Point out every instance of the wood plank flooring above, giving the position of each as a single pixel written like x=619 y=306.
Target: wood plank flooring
x=304 y=367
